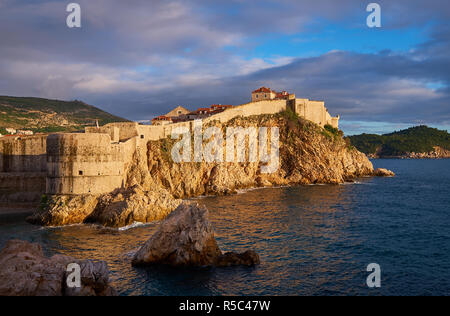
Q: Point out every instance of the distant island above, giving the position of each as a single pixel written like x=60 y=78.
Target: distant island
x=416 y=143
x=46 y=116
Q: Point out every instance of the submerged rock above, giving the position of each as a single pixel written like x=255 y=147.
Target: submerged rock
x=186 y=238
x=25 y=271
x=381 y=172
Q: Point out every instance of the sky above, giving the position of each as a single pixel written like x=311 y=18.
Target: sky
x=139 y=59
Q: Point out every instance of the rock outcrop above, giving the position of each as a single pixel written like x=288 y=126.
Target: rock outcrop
x=186 y=238
x=25 y=271
x=126 y=206
x=381 y=172
x=119 y=208
x=436 y=153
x=62 y=210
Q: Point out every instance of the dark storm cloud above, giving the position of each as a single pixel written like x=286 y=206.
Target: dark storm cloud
x=140 y=58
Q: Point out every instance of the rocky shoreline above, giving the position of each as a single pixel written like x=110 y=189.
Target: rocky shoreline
x=154 y=190
x=155 y=184
x=437 y=153
x=185 y=238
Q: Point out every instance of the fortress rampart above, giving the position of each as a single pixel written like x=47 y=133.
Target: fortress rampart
x=83 y=164
x=97 y=161
x=23 y=168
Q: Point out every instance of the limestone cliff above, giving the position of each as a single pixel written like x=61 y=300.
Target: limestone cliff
x=155 y=183
x=308 y=154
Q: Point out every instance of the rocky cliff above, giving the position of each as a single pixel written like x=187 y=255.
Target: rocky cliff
x=155 y=183
x=308 y=154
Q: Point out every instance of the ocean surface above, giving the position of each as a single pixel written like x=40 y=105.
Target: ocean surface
x=313 y=240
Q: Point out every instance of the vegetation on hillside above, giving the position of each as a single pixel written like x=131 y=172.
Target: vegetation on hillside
x=44 y=115
x=418 y=139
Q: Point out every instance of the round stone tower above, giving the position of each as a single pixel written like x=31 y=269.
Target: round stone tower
x=83 y=164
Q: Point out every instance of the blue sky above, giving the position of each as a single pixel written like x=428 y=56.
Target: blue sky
x=139 y=59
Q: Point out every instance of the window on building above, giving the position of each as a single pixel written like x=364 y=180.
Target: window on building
x=142 y=136
x=80 y=173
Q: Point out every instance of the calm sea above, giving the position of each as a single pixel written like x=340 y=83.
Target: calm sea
x=313 y=240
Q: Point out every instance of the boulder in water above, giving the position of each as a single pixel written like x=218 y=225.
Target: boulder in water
x=186 y=238
x=381 y=172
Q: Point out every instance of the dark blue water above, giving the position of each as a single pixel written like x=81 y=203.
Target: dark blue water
x=313 y=240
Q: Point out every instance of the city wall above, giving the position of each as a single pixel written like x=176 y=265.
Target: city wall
x=23 y=166
x=23 y=154
x=97 y=161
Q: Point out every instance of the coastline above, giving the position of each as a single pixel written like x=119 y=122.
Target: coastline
x=405 y=157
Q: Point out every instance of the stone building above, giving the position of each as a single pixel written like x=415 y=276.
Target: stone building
x=263 y=93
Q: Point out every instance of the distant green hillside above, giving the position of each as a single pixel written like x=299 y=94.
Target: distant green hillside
x=44 y=115
x=419 y=139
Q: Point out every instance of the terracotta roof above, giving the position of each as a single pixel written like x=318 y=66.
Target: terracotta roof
x=263 y=89
x=282 y=95
x=203 y=110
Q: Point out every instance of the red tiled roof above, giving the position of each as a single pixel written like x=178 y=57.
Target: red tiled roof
x=282 y=95
x=203 y=110
x=263 y=89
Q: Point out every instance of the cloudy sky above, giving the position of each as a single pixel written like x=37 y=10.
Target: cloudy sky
x=139 y=59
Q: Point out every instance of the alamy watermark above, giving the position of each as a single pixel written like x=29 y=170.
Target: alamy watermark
x=374 y=279
x=74 y=18
x=260 y=147
x=374 y=18
x=73 y=279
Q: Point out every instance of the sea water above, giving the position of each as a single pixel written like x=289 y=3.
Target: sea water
x=312 y=240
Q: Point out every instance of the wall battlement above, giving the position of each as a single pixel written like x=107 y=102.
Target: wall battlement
x=96 y=162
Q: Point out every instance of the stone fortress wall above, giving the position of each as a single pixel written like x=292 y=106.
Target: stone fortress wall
x=96 y=161
x=23 y=168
